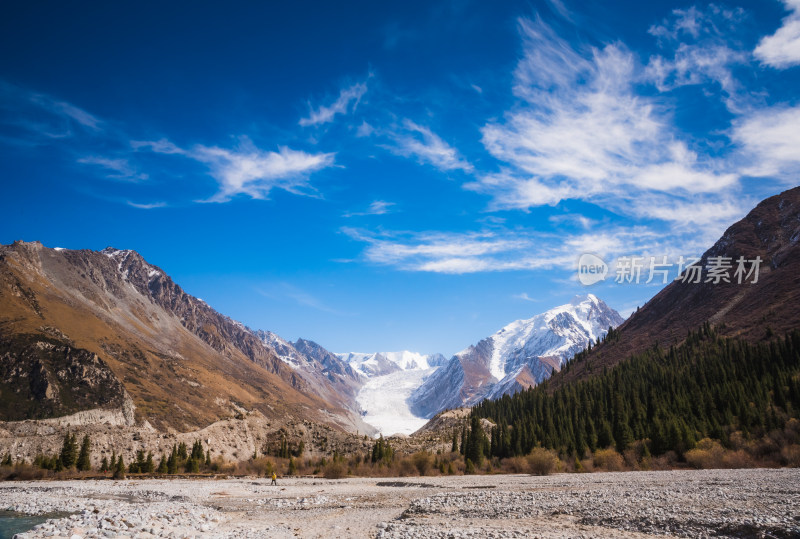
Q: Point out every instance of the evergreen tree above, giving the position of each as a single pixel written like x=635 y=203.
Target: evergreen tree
x=162 y=465
x=476 y=442
x=149 y=466
x=69 y=451
x=197 y=451
x=84 y=462
x=104 y=467
x=172 y=462
x=182 y=453
x=192 y=466
x=119 y=471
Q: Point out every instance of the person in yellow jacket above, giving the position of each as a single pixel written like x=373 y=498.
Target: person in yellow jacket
x=274 y=479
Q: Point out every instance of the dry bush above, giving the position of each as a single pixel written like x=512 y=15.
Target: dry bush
x=421 y=461
x=261 y=466
x=791 y=431
x=515 y=465
x=790 y=456
x=542 y=461
x=22 y=472
x=710 y=454
x=608 y=459
x=334 y=470
x=667 y=461
x=587 y=464
x=737 y=459
x=706 y=454
x=403 y=467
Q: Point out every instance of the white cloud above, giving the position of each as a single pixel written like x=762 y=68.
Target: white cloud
x=511 y=250
x=781 y=50
x=41 y=115
x=147 y=206
x=158 y=146
x=581 y=132
x=770 y=143
x=249 y=170
x=702 y=52
x=377 y=207
x=68 y=110
x=119 y=168
x=413 y=140
x=324 y=114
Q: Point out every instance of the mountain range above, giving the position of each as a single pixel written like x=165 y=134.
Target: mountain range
x=405 y=389
x=84 y=329
x=520 y=355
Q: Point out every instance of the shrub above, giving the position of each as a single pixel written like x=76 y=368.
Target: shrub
x=515 y=465
x=405 y=467
x=541 y=461
x=421 y=461
x=334 y=470
x=790 y=455
x=608 y=459
x=707 y=454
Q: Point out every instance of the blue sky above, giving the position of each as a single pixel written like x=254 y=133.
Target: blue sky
x=386 y=176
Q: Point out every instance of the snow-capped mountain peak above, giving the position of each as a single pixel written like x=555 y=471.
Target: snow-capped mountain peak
x=521 y=354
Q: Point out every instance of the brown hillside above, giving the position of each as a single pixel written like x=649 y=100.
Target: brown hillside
x=84 y=329
x=753 y=311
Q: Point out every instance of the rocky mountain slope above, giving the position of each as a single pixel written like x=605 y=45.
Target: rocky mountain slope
x=86 y=329
x=753 y=309
x=519 y=356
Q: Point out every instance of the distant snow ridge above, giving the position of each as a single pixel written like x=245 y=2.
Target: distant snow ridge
x=520 y=355
x=404 y=389
x=382 y=363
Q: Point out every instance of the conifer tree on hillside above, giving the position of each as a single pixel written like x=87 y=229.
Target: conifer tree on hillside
x=69 y=451
x=162 y=465
x=119 y=471
x=664 y=398
x=84 y=463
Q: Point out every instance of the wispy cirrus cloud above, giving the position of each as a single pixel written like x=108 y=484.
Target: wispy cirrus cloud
x=513 y=249
x=248 y=170
x=417 y=141
x=41 y=116
x=376 y=207
x=581 y=131
x=701 y=53
x=147 y=206
x=286 y=291
x=781 y=50
x=325 y=114
x=116 y=168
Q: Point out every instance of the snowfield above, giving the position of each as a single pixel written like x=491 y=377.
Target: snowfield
x=384 y=400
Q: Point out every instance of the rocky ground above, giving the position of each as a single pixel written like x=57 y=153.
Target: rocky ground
x=720 y=503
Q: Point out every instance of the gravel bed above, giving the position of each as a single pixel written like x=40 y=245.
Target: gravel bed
x=712 y=503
